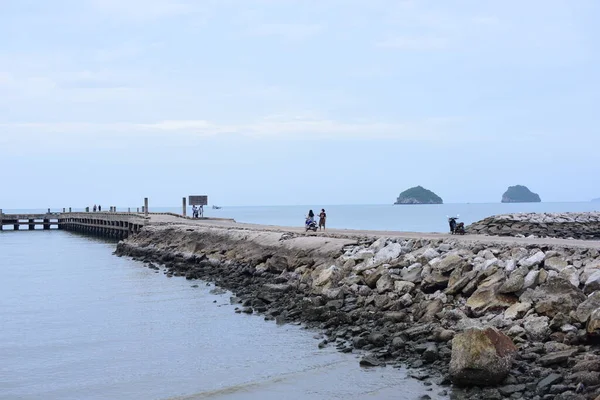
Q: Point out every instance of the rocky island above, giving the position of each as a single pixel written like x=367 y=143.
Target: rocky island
x=418 y=195
x=520 y=194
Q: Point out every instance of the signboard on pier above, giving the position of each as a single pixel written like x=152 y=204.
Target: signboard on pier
x=198 y=200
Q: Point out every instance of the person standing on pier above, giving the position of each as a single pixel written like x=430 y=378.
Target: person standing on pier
x=99 y=208
x=194 y=211
x=94 y=208
x=322 y=218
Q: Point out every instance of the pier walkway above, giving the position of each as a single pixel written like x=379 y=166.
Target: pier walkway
x=120 y=225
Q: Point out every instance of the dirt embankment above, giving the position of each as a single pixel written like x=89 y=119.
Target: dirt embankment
x=518 y=320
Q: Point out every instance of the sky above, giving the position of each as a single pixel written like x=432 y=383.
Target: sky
x=277 y=102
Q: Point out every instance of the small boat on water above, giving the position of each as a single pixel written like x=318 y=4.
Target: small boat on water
x=216 y=207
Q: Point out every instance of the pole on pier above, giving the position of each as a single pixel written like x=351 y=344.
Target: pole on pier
x=31 y=225
x=184 y=207
x=146 y=206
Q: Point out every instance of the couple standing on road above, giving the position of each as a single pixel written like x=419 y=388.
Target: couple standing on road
x=322 y=217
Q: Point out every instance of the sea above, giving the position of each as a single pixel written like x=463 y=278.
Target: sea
x=77 y=322
x=387 y=217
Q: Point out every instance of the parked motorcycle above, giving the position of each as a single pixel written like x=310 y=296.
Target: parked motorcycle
x=456 y=228
x=311 y=225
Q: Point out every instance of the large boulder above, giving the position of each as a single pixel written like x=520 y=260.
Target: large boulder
x=325 y=276
x=388 y=253
x=412 y=273
x=556 y=263
x=585 y=309
x=556 y=296
x=592 y=283
x=487 y=297
x=593 y=325
x=533 y=260
x=373 y=275
x=570 y=274
x=514 y=283
x=481 y=357
x=450 y=262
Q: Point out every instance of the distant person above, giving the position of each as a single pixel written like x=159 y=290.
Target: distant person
x=322 y=218
x=94 y=208
x=311 y=215
x=194 y=211
x=99 y=208
x=201 y=211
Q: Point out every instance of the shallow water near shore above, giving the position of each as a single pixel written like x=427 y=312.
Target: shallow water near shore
x=81 y=323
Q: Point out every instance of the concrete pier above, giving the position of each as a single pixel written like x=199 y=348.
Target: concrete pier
x=105 y=224
x=30 y=220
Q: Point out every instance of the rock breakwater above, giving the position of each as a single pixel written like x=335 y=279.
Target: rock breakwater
x=558 y=225
x=521 y=322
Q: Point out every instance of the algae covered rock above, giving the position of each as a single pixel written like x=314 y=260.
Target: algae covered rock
x=481 y=357
x=418 y=195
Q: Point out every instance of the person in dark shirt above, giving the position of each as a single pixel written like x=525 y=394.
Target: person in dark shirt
x=322 y=218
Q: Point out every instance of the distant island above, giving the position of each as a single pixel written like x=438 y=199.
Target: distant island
x=520 y=194
x=418 y=195
x=596 y=200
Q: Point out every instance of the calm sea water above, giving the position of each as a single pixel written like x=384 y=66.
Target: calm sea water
x=80 y=323
x=413 y=218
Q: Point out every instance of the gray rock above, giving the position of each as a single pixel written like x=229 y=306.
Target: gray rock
x=370 y=361
x=537 y=328
x=385 y=283
x=587 y=365
x=531 y=279
x=557 y=358
x=510 y=389
x=588 y=378
x=431 y=353
x=403 y=287
x=548 y=381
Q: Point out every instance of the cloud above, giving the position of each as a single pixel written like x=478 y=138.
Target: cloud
x=291 y=31
x=141 y=10
x=415 y=43
x=276 y=127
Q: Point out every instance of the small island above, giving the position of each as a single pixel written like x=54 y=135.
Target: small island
x=520 y=194
x=418 y=195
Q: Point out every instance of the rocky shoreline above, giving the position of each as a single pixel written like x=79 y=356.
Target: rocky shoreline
x=499 y=321
x=557 y=225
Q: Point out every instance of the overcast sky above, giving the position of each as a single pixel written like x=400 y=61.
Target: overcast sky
x=273 y=102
